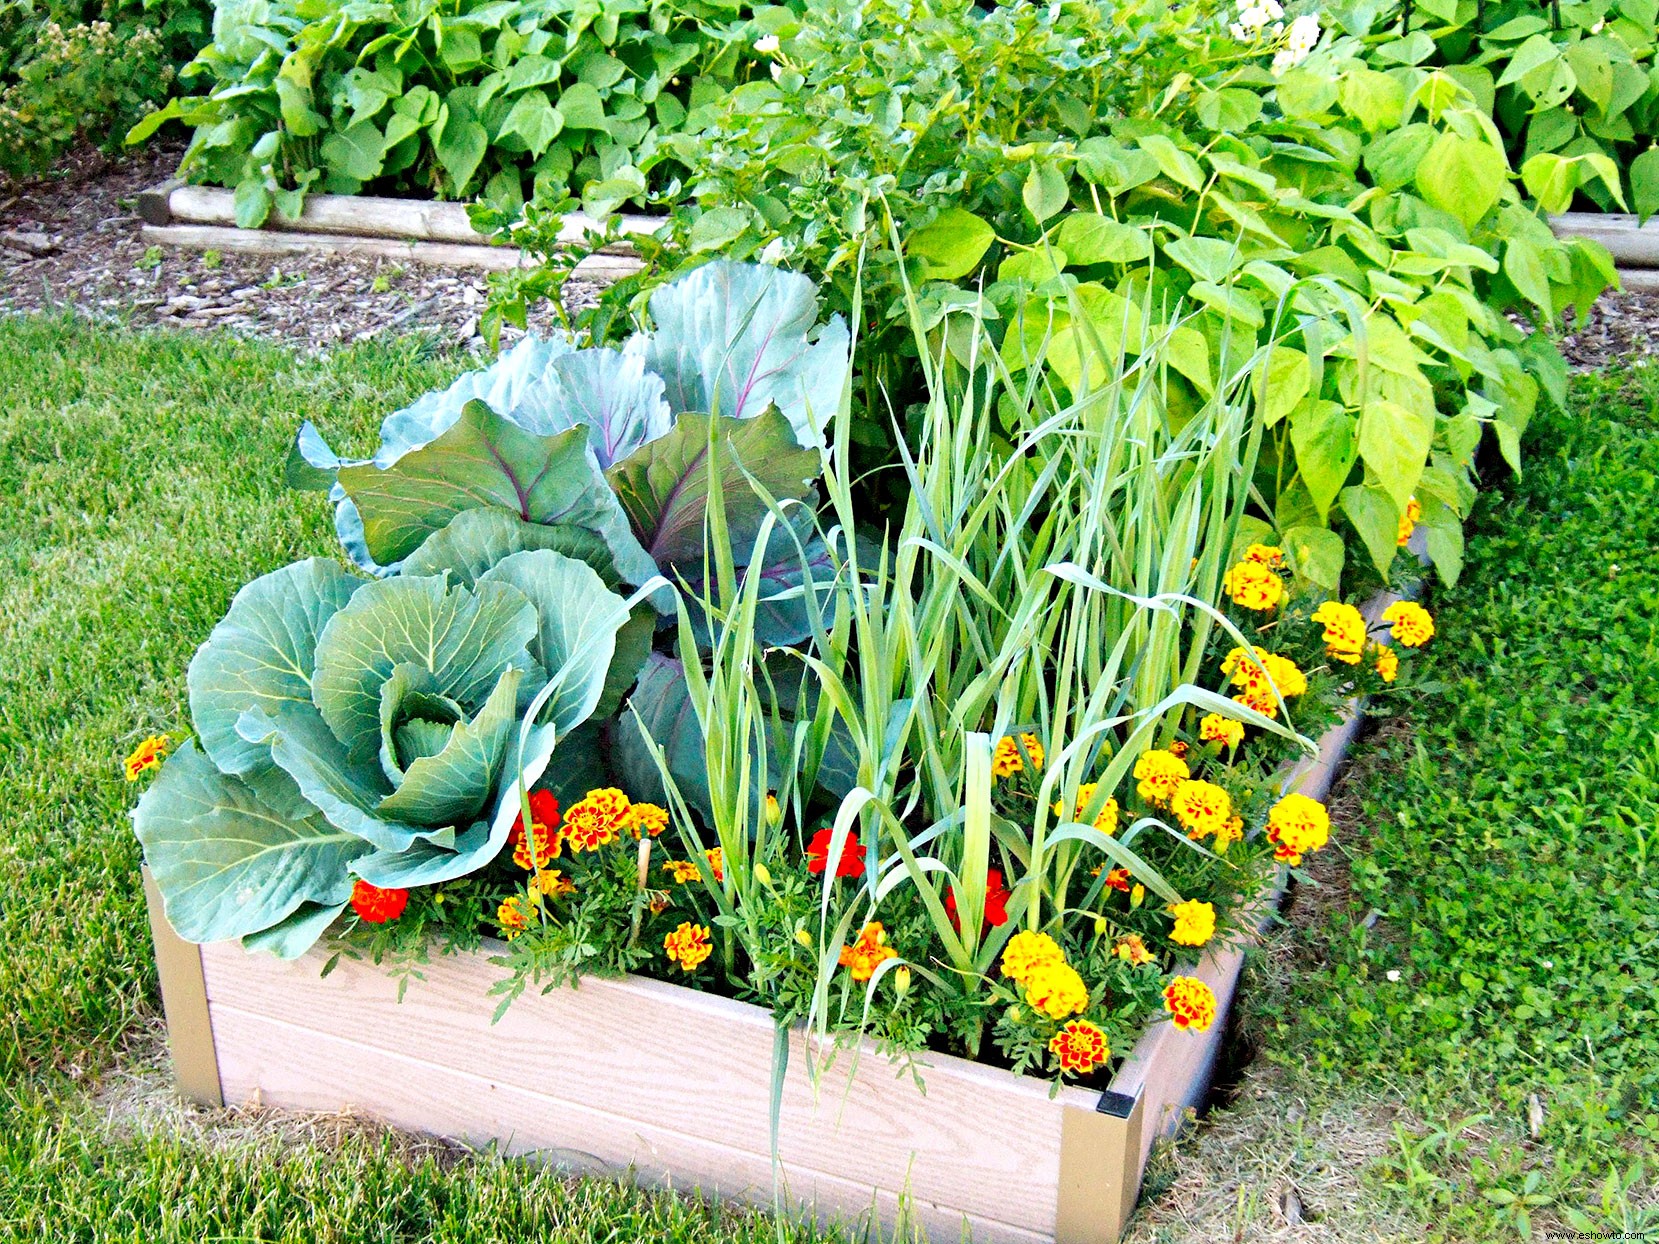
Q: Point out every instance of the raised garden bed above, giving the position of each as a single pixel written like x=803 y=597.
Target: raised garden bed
x=673 y=1084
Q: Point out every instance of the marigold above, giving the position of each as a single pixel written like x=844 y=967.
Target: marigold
x=868 y=952
x=375 y=905
x=552 y=882
x=1344 y=631
x=1412 y=625
x=513 y=916
x=688 y=945
x=1158 y=773
x=1253 y=586
x=1202 y=808
x=1006 y=759
x=683 y=871
x=1270 y=555
x=996 y=901
x=1408 y=522
x=1133 y=951
x=1218 y=729
x=773 y=811
x=1080 y=1047
x=1105 y=820
x=598 y=818
x=1056 y=990
x=544 y=836
x=716 y=856
x=1118 y=879
x=1194 y=923
x=1026 y=952
x=851 y=863
x=147 y=755
x=1297 y=826
x=1387 y=662
x=1260 y=676
x=1228 y=834
x=1190 y=1003
x=648 y=819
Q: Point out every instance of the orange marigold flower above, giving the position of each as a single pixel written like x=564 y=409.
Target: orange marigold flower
x=1408 y=522
x=1006 y=759
x=658 y=903
x=1080 y=1047
x=688 y=945
x=1105 y=820
x=1194 y=923
x=1158 y=773
x=552 y=882
x=1190 y=1003
x=1387 y=662
x=375 y=905
x=716 y=856
x=1297 y=826
x=1253 y=586
x=1202 y=808
x=1218 y=729
x=1133 y=951
x=1055 y=989
x=513 y=916
x=596 y=819
x=1412 y=624
x=683 y=871
x=543 y=842
x=1344 y=631
x=1118 y=879
x=1228 y=834
x=147 y=755
x=849 y=864
x=1026 y=952
x=1270 y=555
x=868 y=952
x=647 y=819
x=996 y=901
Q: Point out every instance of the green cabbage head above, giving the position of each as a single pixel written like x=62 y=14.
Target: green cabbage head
x=380 y=729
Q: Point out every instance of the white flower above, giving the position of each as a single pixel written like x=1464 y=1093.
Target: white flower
x=1253 y=17
x=773 y=254
x=767 y=45
x=1304 y=34
x=1599 y=27
x=777 y=72
x=1394 y=974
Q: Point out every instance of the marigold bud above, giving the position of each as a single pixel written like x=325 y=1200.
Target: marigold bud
x=901 y=980
x=1100 y=926
x=763 y=874
x=804 y=938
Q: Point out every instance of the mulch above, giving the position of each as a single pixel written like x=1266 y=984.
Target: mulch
x=71 y=240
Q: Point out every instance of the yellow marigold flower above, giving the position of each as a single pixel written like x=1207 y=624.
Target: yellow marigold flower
x=1408 y=522
x=683 y=871
x=1228 y=834
x=1412 y=625
x=867 y=953
x=1269 y=555
x=1106 y=820
x=1157 y=773
x=1132 y=950
x=1297 y=826
x=512 y=916
x=1080 y=1047
x=147 y=755
x=1387 y=662
x=1202 y=808
x=688 y=945
x=1344 y=631
x=596 y=819
x=647 y=819
x=1194 y=923
x=1006 y=759
x=1254 y=676
x=1056 y=990
x=1190 y=1003
x=1026 y=952
x=1253 y=586
x=553 y=882
x=1218 y=729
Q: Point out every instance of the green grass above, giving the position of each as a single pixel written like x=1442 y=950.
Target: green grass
x=1503 y=860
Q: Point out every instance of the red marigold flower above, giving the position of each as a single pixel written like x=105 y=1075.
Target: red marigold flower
x=375 y=905
x=1118 y=879
x=544 y=832
x=1080 y=1047
x=146 y=756
x=996 y=901
x=851 y=863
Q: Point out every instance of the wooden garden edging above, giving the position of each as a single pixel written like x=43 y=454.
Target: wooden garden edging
x=673 y=1085
x=410 y=230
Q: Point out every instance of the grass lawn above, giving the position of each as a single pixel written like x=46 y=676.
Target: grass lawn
x=1501 y=854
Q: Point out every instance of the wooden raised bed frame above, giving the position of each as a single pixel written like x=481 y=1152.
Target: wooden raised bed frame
x=673 y=1086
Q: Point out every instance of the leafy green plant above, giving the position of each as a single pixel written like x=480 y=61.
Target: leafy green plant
x=451 y=99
